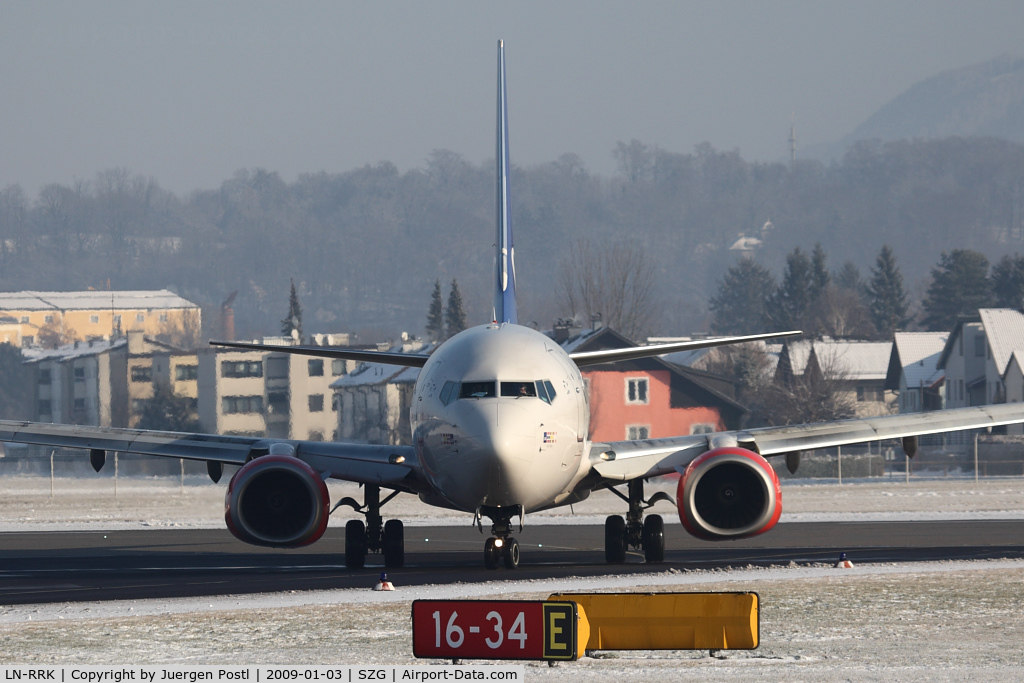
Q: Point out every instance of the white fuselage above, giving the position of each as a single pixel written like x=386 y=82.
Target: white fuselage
x=500 y=417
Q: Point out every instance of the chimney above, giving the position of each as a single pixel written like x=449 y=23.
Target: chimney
x=227 y=318
x=561 y=329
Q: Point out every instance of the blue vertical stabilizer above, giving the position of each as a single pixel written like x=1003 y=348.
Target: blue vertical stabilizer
x=504 y=262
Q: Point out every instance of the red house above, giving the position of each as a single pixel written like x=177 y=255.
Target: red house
x=650 y=398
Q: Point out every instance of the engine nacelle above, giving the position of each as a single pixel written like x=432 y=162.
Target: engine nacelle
x=728 y=494
x=277 y=501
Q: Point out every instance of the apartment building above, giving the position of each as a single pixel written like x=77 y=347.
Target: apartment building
x=80 y=316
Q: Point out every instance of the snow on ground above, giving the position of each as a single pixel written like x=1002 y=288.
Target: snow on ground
x=926 y=621
x=26 y=503
x=934 y=621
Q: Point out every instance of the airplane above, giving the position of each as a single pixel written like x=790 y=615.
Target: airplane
x=500 y=420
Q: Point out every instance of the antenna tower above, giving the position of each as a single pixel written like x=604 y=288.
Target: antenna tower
x=792 y=138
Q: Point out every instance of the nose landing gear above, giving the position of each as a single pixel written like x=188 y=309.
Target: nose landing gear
x=501 y=547
x=635 y=531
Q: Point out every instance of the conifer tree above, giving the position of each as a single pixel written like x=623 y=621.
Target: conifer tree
x=435 y=314
x=738 y=306
x=293 y=321
x=454 y=315
x=960 y=286
x=819 y=272
x=888 y=298
x=788 y=306
x=1008 y=282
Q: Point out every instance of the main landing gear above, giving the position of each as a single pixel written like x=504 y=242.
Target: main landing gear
x=501 y=547
x=373 y=536
x=635 y=531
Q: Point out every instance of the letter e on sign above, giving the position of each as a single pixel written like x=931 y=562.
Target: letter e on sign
x=559 y=630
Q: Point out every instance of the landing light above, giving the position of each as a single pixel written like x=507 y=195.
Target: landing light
x=498 y=543
x=607 y=455
x=396 y=459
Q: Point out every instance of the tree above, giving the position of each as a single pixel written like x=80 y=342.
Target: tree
x=819 y=272
x=613 y=282
x=839 y=312
x=849 y=278
x=887 y=297
x=291 y=326
x=820 y=394
x=738 y=306
x=634 y=160
x=788 y=306
x=454 y=315
x=435 y=314
x=960 y=286
x=168 y=412
x=1008 y=282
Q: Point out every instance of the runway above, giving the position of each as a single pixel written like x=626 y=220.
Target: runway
x=39 y=567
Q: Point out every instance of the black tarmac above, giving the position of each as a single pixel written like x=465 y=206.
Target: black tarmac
x=38 y=567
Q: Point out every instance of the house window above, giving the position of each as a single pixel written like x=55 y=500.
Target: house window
x=316 y=367
x=24 y=319
x=979 y=346
x=79 y=405
x=47 y=319
x=702 y=428
x=142 y=373
x=138 y=405
x=277 y=368
x=44 y=407
x=186 y=372
x=636 y=391
x=277 y=403
x=338 y=367
x=335 y=403
x=241 y=404
x=241 y=368
x=94 y=319
x=79 y=374
x=316 y=403
x=635 y=432
x=163 y=317
x=44 y=377
x=140 y=317
x=316 y=436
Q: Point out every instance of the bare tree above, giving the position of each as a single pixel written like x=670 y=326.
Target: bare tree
x=820 y=394
x=612 y=282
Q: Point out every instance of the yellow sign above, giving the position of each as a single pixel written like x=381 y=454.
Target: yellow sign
x=665 y=621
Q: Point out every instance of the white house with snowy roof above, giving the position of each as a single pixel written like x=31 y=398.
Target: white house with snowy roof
x=859 y=366
x=914 y=371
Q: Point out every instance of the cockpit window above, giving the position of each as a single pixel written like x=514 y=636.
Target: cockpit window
x=551 y=390
x=448 y=392
x=542 y=392
x=518 y=389
x=477 y=390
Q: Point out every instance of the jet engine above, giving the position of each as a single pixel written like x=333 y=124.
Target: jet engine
x=277 y=501
x=728 y=494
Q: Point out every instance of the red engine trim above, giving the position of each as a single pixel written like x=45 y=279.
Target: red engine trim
x=716 y=454
x=286 y=462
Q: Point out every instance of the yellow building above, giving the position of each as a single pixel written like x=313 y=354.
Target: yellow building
x=56 y=318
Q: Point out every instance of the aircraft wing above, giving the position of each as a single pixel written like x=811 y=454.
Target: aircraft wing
x=410 y=360
x=389 y=466
x=585 y=358
x=625 y=460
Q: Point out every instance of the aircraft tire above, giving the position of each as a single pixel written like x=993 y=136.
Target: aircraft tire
x=491 y=554
x=615 y=539
x=511 y=553
x=355 y=544
x=653 y=539
x=394 y=544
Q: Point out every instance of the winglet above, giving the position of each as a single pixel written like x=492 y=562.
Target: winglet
x=504 y=257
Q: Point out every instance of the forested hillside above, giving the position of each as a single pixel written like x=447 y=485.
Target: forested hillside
x=366 y=247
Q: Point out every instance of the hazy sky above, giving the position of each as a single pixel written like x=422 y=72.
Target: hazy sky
x=189 y=92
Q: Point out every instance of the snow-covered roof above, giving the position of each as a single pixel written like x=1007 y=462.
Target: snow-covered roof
x=70 y=351
x=579 y=340
x=919 y=355
x=90 y=300
x=382 y=373
x=799 y=354
x=1004 y=328
x=857 y=360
